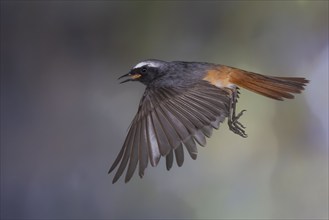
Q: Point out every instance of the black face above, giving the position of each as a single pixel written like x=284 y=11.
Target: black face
x=146 y=71
x=144 y=74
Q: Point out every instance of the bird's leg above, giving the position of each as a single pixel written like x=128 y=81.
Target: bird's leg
x=233 y=122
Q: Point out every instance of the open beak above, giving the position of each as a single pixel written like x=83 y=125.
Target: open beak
x=133 y=77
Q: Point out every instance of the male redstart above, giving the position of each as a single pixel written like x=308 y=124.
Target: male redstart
x=182 y=103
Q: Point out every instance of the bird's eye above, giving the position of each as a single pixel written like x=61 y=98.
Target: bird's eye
x=144 y=69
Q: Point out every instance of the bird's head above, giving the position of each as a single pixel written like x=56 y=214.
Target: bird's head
x=146 y=71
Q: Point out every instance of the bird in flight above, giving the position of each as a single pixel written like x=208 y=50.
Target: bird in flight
x=182 y=103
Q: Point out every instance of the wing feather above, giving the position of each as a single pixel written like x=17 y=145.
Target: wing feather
x=169 y=120
x=181 y=130
x=143 y=148
x=169 y=160
x=135 y=145
x=170 y=131
x=125 y=158
x=161 y=136
x=154 y=152
x=179 y=155
x=198 y=113
x=191 y=147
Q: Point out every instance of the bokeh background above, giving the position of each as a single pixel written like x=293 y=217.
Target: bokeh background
x=64 y=116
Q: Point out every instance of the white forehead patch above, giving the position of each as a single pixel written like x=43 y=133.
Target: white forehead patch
x=148 y=63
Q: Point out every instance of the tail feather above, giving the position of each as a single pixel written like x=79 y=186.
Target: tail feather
x=270 y=86
x=294 y=79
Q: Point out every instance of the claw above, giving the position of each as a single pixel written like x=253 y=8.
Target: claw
x=240 y=114
x=239 y=123
x=233 y=122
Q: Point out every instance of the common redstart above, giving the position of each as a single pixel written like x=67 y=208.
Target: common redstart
x=182 y=103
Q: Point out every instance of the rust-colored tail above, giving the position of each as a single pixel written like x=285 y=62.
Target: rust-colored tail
x=269 y=86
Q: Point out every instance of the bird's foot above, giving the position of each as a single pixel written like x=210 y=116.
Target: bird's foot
x=236 y=126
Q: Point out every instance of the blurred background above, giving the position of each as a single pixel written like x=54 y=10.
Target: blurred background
x=64 y=116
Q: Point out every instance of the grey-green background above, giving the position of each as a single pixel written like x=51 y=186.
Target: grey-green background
x=64 y=116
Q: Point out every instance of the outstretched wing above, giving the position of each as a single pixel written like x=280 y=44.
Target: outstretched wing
x=168 y=119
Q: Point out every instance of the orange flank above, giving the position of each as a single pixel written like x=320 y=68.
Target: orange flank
x=219 y=76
